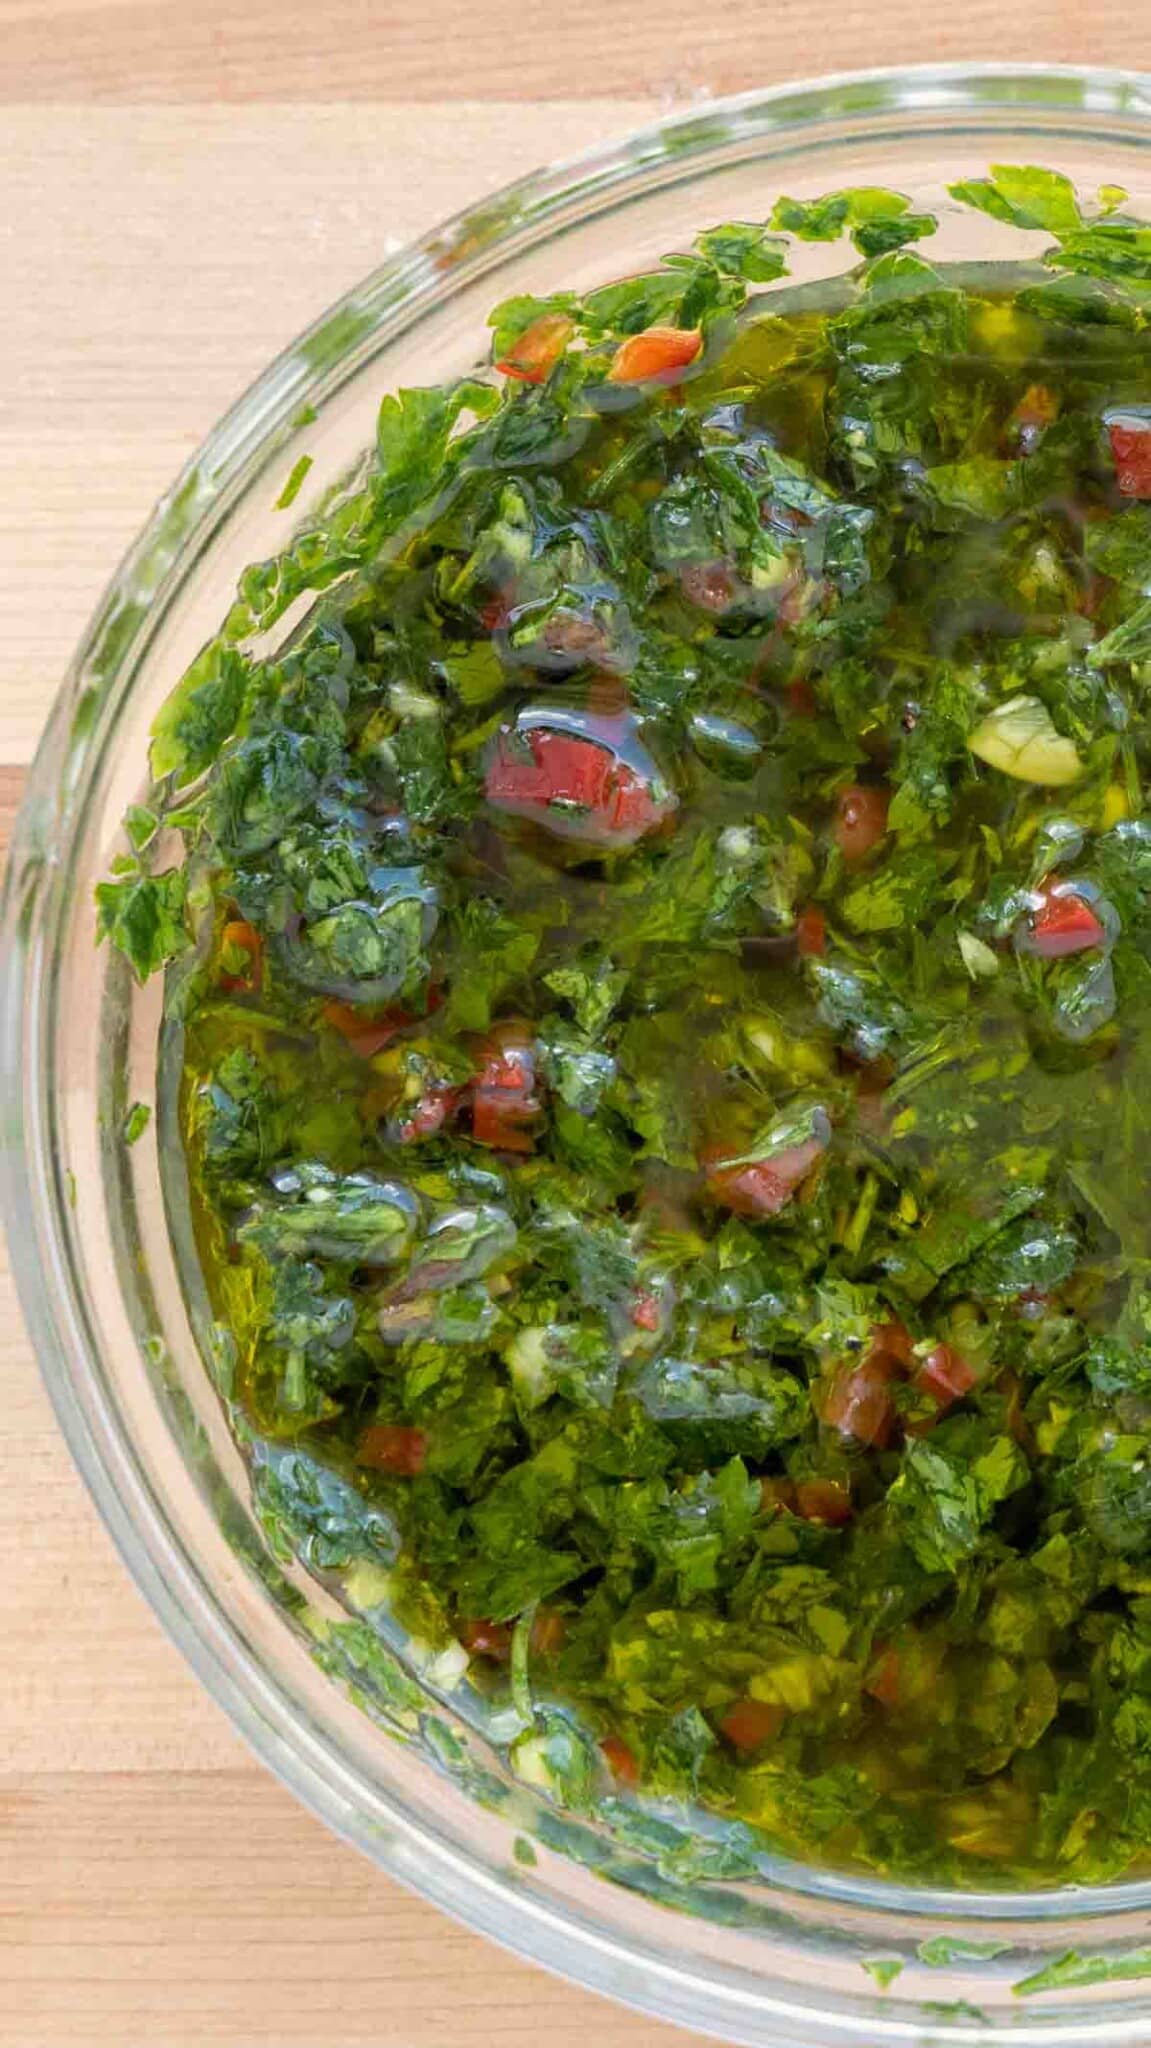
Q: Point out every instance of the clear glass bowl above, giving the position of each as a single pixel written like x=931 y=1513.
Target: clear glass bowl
x=388 y=1748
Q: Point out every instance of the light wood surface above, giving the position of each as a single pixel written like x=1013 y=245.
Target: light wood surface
x=183 y=184
x=212 y=50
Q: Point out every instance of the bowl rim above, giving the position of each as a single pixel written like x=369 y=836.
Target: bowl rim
x=396 y=294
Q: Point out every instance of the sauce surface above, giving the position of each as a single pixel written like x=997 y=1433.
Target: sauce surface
x=665 y=973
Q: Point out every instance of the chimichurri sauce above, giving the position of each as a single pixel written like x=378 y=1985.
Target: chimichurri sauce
x=666 y=991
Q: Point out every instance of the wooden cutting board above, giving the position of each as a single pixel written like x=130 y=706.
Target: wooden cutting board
x=183 y=184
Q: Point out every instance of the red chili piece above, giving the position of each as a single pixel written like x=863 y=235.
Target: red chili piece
x=487 y=1639
x=945 y=1377
x=645 y=1312
x=1131 y=450
x=823 y=1500
x=574 y=787
x=860 y=819
x=393 y=1447
x=946 y=1374
x=621 y=1760
x=505 y=1105
x=1062 y=923
x=428 y=1115
x=762 y=1187
x=535 y=352
x=858 y=1402
x=710 y=585
x=884 y=1680
x=750 y=1723
x=365 y=1033
x=494 y=613
x=239 y=937
x=659 y=352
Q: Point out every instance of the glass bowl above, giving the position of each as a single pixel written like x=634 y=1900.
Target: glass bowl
x=387 y=1744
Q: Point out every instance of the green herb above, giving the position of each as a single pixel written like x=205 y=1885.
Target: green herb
x=885 y=1970
x=945 y=1949
x=877 y=220
x=294 y=485
x=1026 y=196
x=940 y=1502
x=136 y=1122
x=663 y=970
x=143 y=916
x=1073 y=1972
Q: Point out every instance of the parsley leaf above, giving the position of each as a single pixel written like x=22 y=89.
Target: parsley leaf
x=143 y=916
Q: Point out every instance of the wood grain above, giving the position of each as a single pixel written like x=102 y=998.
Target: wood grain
x=11 y=785
x=222 y=50
x=124 y=336
x=192 y=1910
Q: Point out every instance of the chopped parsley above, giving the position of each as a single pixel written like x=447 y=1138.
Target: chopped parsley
x=136 y=1122
x=664 y=960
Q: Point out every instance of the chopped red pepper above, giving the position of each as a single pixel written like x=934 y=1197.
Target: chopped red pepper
x=710 y=585
x=762 y=1187
x=578 y=788
x=510 y=1062
x=1063 y=922
x=487 y=1639
x=945 y=1375
x=645 y=1312
x=505 y=1106
x=1130 y=439
x=860 y=819
x=824 y=1500
x=858 y=1402
x=240 y=938
x=427 y=1115
x=393 y=1447
x=621 y=1760
x=659 y=352
x=750 y=1723
x=801 y=698
x=534 y=354
x=584 y=640
x=884 y=1680
x=367 y=1032
x=811 y=932
x=895 y=1341
x=504 y=1122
